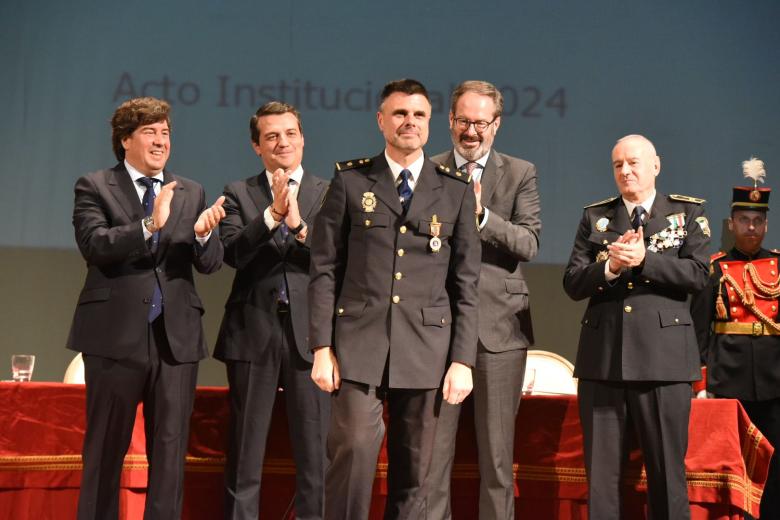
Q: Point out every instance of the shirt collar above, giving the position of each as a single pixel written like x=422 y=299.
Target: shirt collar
x=135 y=174
x=460 y=160
x=415 y=167
x=647 y=204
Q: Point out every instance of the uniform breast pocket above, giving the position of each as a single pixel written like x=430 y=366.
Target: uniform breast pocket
x=427 y=227
x=369 y=220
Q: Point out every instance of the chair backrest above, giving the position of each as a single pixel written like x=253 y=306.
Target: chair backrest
x=548 y=373
x=74 y=374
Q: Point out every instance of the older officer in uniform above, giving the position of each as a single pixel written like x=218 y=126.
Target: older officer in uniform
x=509 y=225
x=637 y=257
x=264 y=338
x=141 y=230
x=394 y=272
x=736 y=317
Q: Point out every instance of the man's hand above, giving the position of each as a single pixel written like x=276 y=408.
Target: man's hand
x=280 y=189
x=210 y=218
x=628 y=251
x=478 y=195
x=162 y=205
x=293 y=218
x=457 y=383
x=325 y=371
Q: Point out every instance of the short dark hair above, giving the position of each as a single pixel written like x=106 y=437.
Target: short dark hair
x=134 y=113
x=483 y=88
x=405 y=86
x=268 y=109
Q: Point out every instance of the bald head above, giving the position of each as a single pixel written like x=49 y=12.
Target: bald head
x=635 y=165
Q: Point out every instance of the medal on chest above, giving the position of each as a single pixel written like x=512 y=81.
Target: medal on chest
x=435 y=241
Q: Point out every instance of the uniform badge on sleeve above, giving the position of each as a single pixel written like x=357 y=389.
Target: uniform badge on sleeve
x=369 y=201
x=704 y=225
x=435 y=242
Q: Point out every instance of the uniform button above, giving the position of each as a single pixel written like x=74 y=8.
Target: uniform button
x=630 y=285
x=605 y=241
x=772 y=272
x=368 y=222
x=443 y=321
x=400 y=252
x=396 y=299
x=341 y=310
x=724 y=266
x=733 y=309
x=771 y=262
x=147 y=300
x=402 y=229
x=676 y=320
x=627 y=308
x=731 y=298
x=398 y=275
x=600 y=288
x=774 y=308
x=647 y=281
x=586 y=321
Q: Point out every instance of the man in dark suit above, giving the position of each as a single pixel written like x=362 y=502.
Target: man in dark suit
x=507 y=206
x=264 y=339
x=637 y=257
x=395 y=266
x=137 y=322
x=736 y=320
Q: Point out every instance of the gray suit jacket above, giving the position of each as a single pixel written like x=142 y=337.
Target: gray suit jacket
x=262 y=258
x=639 y=328
x=510 y=237
x=379 y=295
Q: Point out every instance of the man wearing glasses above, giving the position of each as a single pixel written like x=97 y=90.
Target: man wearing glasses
x=507 y=213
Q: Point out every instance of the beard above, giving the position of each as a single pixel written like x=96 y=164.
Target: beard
x=471 y=153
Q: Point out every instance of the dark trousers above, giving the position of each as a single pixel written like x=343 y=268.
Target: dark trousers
x=657 y=414
x=498 y=385
x=253 y=389
x=766 y=416
x=114 y=389
x=354 y=440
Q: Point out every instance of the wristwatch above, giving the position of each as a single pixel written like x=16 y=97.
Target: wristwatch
x=298 y=228
x=149 y=224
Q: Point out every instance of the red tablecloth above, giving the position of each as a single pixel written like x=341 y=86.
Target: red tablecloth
x=42 y=427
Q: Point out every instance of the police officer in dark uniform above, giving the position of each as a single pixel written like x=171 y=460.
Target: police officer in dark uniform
x=393 y=308
x=736 y=320
x=637 y=258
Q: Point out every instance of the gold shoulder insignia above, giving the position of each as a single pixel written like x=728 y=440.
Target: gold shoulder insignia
x=353 y=164
x=453 y=172
x=601 y=202
x=717 y=256
x=775 y=251
x=686 y=198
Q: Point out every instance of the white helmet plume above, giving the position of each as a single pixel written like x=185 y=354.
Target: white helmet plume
x=754 y=169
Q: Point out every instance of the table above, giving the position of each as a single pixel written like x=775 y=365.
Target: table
x=42 y=427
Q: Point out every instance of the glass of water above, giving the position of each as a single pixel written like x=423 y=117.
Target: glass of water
x=22 y=367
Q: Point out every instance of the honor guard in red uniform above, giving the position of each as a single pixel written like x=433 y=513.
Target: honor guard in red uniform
x=736 y=319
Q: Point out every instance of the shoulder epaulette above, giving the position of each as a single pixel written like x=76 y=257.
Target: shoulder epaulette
x=453 y=172
x=686 y=198
x=353 y=164
x=601 y=202
x=775 y=251
x=717 y=256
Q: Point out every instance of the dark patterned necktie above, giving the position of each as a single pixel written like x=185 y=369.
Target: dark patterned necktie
x=638 y=219
x=285 y=232
x=404 y=190
x=148 y=202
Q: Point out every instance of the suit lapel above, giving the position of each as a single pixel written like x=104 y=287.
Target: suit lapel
x=125 y=193
x=307 y=195
x=658 y=221
x=178 y=203
x=491 y=176
x=382 y=186
x=425 y=193
x=619 y=222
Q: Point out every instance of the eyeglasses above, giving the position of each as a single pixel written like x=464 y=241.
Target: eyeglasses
x=461 y=123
